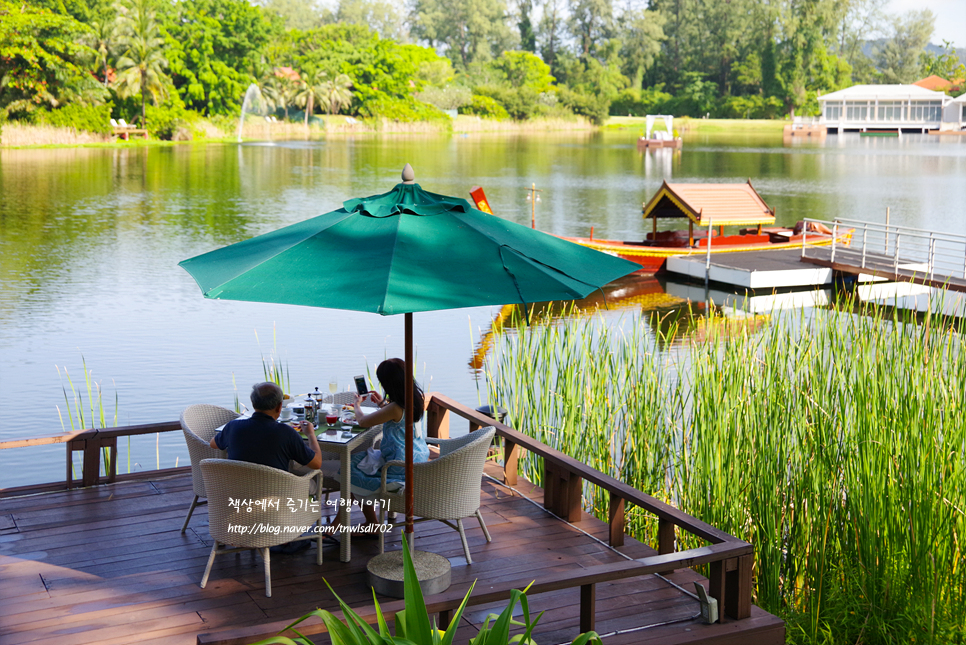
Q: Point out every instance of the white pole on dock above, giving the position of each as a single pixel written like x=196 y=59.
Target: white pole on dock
x=886 y=250
x=707 y=264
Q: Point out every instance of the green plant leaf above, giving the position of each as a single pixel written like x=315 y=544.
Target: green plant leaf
x=588 y=637
x=416 y=618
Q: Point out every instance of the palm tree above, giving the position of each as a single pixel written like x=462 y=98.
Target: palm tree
x=103 y=40
x=310 y=92
x=274 y=92
x=141 y=66
x=337 y=93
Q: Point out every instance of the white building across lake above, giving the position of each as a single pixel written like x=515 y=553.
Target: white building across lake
x=889 y=107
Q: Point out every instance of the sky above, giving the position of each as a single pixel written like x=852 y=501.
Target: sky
x=950 y=18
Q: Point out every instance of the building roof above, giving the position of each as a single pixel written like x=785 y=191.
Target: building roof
x=710 y=204
x=888 y=92
x=940 y=84
x=933 y=82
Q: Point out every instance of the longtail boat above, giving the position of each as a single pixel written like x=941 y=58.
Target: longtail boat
x=711 y=207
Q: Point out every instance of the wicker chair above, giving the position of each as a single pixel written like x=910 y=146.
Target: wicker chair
x=230 y=484
x=199 y=423
x=447 y=488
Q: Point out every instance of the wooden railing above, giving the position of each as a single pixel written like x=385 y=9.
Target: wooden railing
x=91 y=443
x=730 y=560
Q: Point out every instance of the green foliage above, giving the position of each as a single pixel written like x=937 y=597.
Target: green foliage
x=519 y=102
x=751 y=107
x=467 y=30
x=451 y=97
x=633 y=102
x=641 y=35
x=944 y=65
x=91 y=118
x=141 y=66
x=385 y=17
x=831 y=440
x=403 y=110
x=696 y=98
x=42 y=60
x=210 y=44
x=170 y=121
x=899 y=57
x=486 y=107
x=594 y=107
x=524 y=69
x=413 y=625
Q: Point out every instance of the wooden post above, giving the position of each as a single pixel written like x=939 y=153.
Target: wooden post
x=615 y=513
x=437 y=421
x=511 y=454
x=445 y=617
x=738 y=587
x=716 y=584
x=562 y=492
x=665 y=538
x=91 y=470
x=588 y=607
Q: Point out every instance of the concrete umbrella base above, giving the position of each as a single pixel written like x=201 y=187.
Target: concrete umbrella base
x=386 y=573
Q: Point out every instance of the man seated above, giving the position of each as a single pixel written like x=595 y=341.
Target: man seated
x=261 y=439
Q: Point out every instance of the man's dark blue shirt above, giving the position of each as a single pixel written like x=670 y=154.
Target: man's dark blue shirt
x=263 y=440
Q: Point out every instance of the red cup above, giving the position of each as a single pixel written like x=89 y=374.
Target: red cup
x=331 y=419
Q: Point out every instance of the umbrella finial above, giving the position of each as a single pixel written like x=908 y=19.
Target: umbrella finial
x=408 y=175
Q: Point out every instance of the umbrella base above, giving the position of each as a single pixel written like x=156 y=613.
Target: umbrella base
x=386 y=573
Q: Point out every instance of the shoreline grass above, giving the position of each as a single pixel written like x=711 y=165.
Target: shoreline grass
x=18 y=136
x=836 y=445
x=702 y=126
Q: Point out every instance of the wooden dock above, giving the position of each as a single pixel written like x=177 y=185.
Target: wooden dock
x=760 y=269
x=107 y=564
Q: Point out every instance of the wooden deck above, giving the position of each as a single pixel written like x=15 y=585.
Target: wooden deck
x=108 y=564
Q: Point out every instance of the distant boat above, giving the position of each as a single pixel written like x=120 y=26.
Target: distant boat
x=659 y=139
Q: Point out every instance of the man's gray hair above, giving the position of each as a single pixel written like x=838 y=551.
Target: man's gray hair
x=266 y=396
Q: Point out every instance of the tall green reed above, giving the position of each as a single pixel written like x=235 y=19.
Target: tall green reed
x=274 y=369
x=92 y=414
x=836 y=444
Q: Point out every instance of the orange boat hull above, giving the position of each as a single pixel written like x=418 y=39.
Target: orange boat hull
x=653 y=258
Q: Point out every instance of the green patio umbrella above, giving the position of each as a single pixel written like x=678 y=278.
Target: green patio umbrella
x=401 y=252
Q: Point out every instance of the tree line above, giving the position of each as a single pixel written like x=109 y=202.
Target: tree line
x=164 y=62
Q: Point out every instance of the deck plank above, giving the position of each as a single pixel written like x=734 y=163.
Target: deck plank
x=109 y=565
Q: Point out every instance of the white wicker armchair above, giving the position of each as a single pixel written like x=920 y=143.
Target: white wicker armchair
x=232 y=484
x=199 y=423
x=447 y=488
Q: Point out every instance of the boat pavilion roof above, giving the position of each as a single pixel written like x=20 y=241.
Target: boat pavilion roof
x=710 y=204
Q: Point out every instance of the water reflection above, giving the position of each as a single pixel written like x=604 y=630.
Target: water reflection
x=90 y=239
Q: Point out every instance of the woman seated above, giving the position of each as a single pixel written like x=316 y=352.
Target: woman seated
x=391 y=375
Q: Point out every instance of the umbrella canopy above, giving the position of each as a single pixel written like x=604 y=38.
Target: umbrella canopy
x=404 y=251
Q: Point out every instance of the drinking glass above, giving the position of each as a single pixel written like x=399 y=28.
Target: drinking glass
x=333 y=387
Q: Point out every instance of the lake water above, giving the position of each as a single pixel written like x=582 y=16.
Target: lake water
x=90 y=240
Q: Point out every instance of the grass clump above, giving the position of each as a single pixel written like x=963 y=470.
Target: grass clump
x=836 y=445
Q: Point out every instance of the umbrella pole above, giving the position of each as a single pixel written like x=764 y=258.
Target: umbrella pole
x=409 y=426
